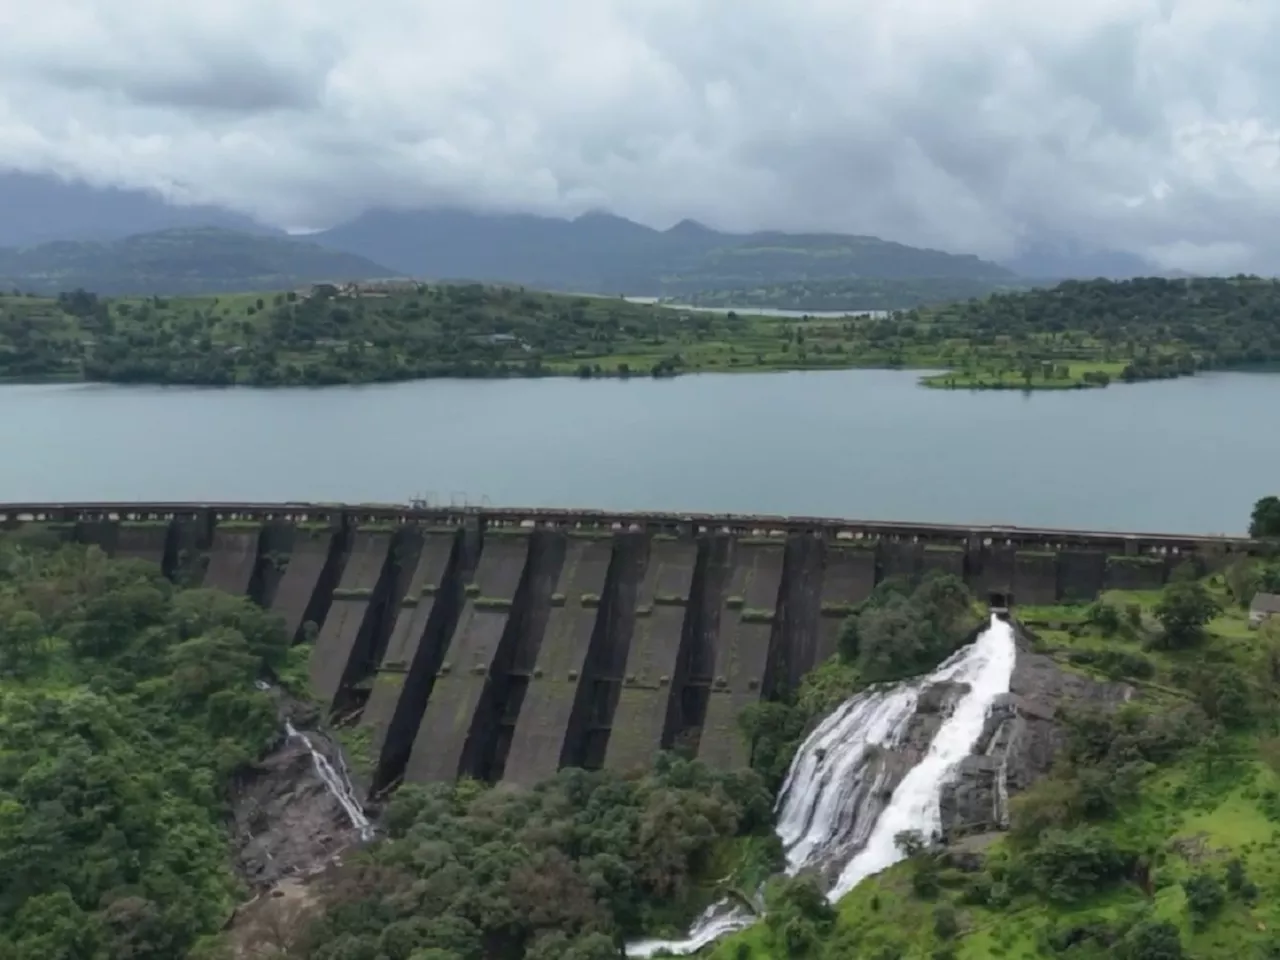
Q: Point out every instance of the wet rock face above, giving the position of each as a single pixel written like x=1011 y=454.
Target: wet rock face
x=889 y=766
x=286 y=822
x=1019 y=741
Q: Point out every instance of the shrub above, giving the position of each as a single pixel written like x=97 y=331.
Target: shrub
x=1205 y=898
x=1067 y=866
x=1105 y=617
x=946 y=925
x=798 y=915
x=1151 y=940
x=1184 y=608
x=1235 y=875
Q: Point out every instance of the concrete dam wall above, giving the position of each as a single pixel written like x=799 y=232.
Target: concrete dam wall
x=504 y=645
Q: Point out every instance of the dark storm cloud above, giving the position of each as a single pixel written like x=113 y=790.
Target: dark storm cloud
x=1150 y=125
x=234 y=86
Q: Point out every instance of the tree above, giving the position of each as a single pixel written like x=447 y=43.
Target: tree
x=1265 y=521
x=1205 y=898
x=1151 y=940
x=798 y=915
x=1184 y=608
x=1105 y=617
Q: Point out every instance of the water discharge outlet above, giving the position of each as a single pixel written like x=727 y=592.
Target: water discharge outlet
x=833 y=814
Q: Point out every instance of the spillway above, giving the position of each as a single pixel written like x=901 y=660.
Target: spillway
x=833 y=815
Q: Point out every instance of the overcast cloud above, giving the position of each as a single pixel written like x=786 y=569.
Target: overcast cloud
x=1147 y=125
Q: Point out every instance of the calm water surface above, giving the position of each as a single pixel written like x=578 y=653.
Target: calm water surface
x=1186 y=455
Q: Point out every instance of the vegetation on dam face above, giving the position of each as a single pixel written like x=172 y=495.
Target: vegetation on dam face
x=1078 y=334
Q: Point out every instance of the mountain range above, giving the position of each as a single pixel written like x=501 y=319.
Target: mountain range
x=191 y=260
x=122 y=241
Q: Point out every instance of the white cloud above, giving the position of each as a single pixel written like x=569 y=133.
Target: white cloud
x=1148 y=125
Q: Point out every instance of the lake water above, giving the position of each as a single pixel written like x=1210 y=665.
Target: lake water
x=1187 y=455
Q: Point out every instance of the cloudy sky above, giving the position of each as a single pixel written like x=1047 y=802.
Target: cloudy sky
x=1146 y=125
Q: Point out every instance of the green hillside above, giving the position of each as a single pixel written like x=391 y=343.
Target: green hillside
x=1156 y=837
x=180 y=261
x=856 y=293
x=1074 y=336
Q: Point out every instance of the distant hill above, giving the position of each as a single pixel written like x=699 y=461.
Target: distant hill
x=859 y=294
x=40 y=209
x=601 y=253
x=182 y=261
x=1062 y=258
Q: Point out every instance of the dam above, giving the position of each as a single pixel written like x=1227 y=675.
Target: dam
x=503 y=644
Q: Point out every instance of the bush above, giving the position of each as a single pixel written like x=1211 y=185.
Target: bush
x=1223 y=692
x=1067 y=866
x=899 y=632
x=946 y=924
x=1205 y=898
x=1105 y=617
x=1116 y=664
x=1236 y=877
x=1184 y=609
x=1151 y=940
x=798 y=915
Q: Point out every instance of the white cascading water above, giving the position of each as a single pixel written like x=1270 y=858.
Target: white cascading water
x=829 y=812
x=337 y=784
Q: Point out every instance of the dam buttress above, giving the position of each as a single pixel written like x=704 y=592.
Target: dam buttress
x=505 y=644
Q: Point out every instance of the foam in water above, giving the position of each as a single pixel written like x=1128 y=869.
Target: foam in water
x=718 y=920
x=987 y=668
x=829 y=811
x=337 y=783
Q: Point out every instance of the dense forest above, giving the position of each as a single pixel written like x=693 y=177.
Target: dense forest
x=126 y=705
x=563 y=872
x=1133 y=329
x=1078 y=334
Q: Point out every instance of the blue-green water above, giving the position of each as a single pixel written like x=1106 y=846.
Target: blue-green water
x=1187 y=455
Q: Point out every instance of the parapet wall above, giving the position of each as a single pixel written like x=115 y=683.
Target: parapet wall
x=501 y=644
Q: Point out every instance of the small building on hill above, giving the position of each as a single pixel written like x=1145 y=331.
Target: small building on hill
x=1264 y=607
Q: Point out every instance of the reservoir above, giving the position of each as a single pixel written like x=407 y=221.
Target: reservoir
x=1188 y=456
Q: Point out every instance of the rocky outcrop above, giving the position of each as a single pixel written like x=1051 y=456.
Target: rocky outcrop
x=286 y=820
x=886 y=769
x=1020 y=740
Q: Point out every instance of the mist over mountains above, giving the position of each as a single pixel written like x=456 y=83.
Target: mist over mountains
x=78 y=232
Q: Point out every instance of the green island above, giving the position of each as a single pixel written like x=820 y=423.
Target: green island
x=1075 y=335
x=132 y=713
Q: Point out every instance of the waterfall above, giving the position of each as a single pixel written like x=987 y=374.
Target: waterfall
x=986 y=667
x=833 y=813
x=337 y=783
x=718 y=920
x=1000 y=796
